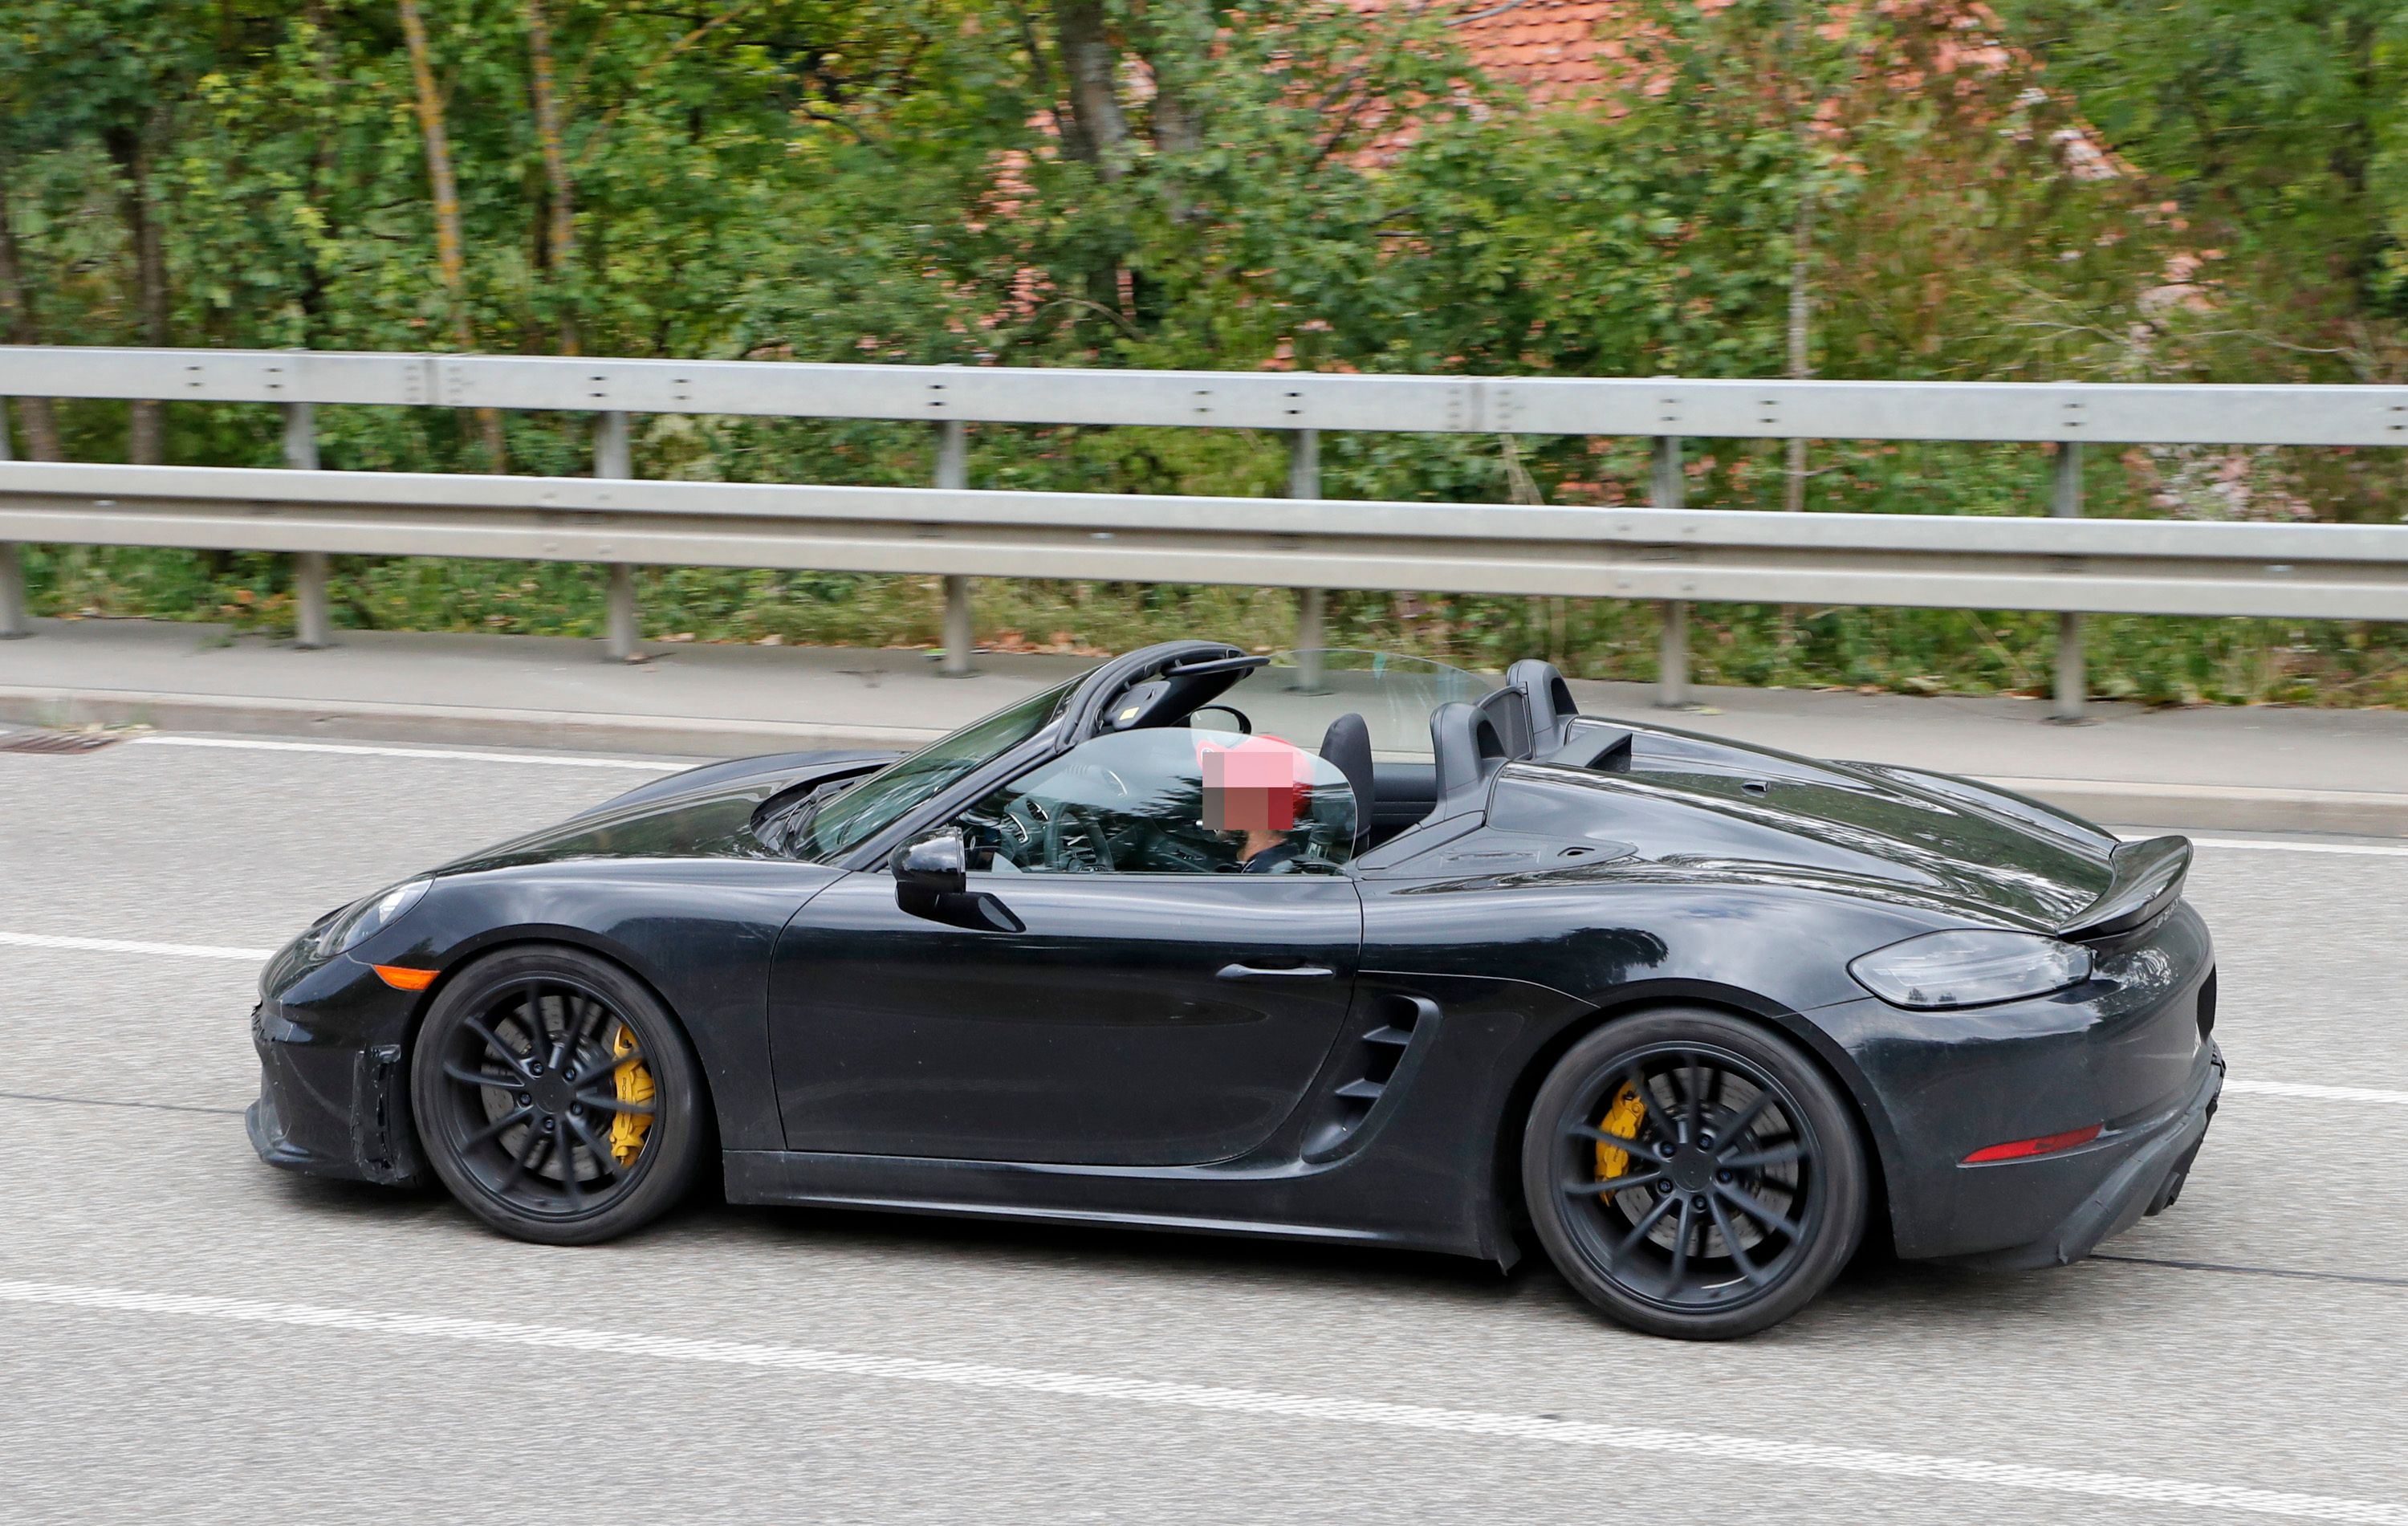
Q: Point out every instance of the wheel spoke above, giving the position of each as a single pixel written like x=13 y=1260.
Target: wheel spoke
x=603 y=1075
x=509 y=1056
x=1735 y=1131
x=603 y=1159
x=1620 y=1141
x=1649 y=1112
x=565 y=1044
x=589 y=1028
x=539 y=1030
x=1779 y=1156
x=612 y=1104
x=1612 y=1184
x=1646 y=1222
x=523 y=1162
x=1755 y=1274
x=496 y=1127
x=1681 y=1240
x=483 y=1078
x=1696 y=1096
x=1753 y=1207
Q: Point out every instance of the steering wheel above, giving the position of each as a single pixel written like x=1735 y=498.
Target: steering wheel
x=1072 y=833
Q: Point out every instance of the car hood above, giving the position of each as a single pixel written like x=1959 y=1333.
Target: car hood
x=710 y=817
x=1702 y=807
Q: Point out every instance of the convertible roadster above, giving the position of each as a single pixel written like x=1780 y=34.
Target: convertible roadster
x=1330 y=944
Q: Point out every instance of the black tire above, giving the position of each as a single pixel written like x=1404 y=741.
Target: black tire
x=1719 y=1234
x=529 y=1135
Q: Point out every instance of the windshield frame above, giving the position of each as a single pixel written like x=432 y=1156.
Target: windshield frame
x=897 y=791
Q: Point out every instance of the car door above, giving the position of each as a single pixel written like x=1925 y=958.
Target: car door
x=1147 y=996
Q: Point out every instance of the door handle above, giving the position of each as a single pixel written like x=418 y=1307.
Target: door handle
x=1260 y=972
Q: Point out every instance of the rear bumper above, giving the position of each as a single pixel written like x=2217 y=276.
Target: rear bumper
x=2142 y=1173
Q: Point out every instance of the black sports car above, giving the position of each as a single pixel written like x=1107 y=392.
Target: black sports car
x=1332 y=946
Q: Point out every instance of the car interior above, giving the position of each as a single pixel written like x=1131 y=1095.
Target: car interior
x=1398 y=781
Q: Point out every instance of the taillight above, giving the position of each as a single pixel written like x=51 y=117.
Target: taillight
x=2046 y=1145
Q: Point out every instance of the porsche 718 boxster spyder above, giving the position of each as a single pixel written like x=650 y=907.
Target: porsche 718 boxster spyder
x=1331 y=945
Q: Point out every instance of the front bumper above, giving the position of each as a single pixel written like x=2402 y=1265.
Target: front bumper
x=331 y=1103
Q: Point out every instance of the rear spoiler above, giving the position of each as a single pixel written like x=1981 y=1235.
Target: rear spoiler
x=2147 y=881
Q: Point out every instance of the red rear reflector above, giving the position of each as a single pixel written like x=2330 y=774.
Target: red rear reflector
x=2044 y=1144
x=402 y=979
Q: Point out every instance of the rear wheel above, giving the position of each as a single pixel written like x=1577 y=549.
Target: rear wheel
x=1693 y=1175
x=557 y=1097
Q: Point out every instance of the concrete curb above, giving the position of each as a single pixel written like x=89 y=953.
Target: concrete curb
x=673 y=736
x=2213 y=807
x=2232 y=808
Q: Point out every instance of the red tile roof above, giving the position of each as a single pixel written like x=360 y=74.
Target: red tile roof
x=1550 y=48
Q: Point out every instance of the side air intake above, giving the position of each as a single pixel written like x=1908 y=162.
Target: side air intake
x=1378 y=1062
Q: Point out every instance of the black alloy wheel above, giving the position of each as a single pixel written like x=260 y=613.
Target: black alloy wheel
x=1693 y=1175
x=557 y=1097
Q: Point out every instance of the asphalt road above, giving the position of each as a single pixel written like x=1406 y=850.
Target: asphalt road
x=186 y=1334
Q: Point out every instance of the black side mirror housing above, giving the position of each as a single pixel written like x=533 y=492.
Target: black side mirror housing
x=932 y=879
x=934 y=866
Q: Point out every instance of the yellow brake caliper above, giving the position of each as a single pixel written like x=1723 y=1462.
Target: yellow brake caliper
x=1622 y=1121
x=633 y=1082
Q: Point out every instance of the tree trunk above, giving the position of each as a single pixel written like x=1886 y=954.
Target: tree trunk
x=133 y=147
x=314 y=294
x=16 y=307
x=1096 y=130
x=1177 y=33
x=563 y=226
x=448 y=258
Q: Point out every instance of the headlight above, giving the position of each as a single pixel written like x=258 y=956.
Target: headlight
x=362 y=919
x=1970 y=968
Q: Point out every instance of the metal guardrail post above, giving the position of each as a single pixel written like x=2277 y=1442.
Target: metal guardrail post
x=953 y=471
x=15 y=620
x=622 y=637
x=1312 y=604
x=2072 y=683
x=313 y=628
x=1670 y=491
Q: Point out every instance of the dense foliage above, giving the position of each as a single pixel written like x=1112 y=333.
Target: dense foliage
x=2085 y=188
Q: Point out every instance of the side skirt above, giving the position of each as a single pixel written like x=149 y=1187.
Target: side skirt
x=1199 y=1200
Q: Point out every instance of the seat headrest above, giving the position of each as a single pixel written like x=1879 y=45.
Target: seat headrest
x=1468 y=751
x=1346 y=746
x=1548 y=699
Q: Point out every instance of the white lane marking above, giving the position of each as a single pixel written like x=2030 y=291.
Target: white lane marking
x=1138 y=1390
x=2365 y=850
x=2324 y=1094
x=355 y=750
x=128 y=945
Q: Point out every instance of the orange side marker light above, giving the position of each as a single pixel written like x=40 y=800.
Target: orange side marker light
x=402 y=978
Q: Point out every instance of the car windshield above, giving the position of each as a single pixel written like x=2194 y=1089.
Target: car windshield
x=843 y=823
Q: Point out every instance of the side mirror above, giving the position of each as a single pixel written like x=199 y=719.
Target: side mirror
x=934 y=866
x=932 y=879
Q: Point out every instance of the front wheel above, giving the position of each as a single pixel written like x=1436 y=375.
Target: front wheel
x=1693 y=1175
x=557 y=1097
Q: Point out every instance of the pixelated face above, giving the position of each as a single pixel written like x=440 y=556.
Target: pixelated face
x=1255 y=786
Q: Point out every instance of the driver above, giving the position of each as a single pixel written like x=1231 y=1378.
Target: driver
x=1254 y=793
x=1267 y=852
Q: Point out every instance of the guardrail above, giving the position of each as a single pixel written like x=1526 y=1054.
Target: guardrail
x=1666 y=553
